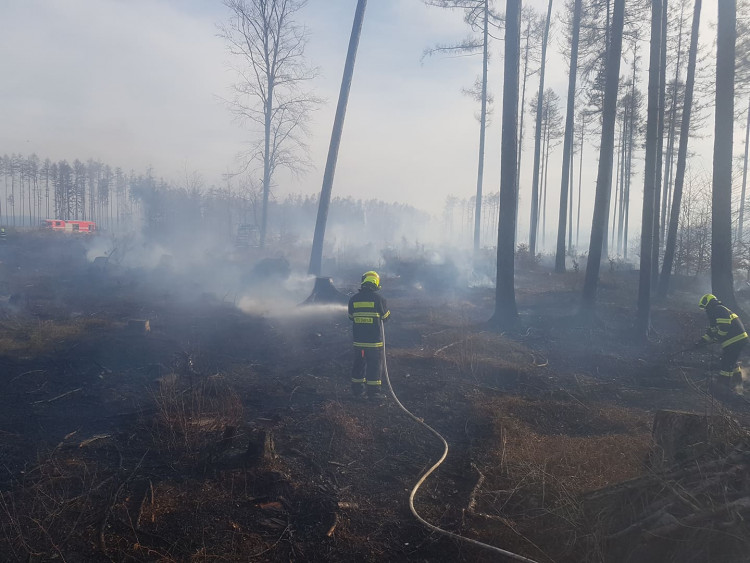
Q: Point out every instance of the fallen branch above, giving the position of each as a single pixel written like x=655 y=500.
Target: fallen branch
x=436 y=352
x=330 y=531
x=53 y=399
x=93 y=439
x=147 y=493
x=26 y=373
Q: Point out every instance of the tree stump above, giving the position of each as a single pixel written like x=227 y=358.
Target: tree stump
x=680 y=436
x=260 y=447
x=325 y=292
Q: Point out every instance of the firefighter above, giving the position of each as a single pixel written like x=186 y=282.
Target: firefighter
x=368 y=310
x=3 y=234
x=725 y=327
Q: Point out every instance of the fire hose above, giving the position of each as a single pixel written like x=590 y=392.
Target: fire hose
x=429 y=472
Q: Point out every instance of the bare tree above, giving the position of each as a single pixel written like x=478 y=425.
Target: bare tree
x=538 y=138
x=575 y=29
x=669 y=250
x=721 y=200
x=533 y=32
x=316 y=255
x=741 y=218
x=606 y=151
x=643 y=319
x=478 y=14
x=742 y=76
x=270 y=46
x=506 y=311
x=552 y=132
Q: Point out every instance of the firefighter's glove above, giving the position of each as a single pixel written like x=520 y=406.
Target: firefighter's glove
x=700 y=344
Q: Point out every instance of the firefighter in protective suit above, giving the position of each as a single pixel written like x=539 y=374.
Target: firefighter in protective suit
x=367 y=310
x=724 y=327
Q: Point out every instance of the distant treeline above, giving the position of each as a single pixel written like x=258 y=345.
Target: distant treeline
x=34 y=189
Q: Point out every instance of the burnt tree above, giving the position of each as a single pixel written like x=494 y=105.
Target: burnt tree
x=606 y=152
x=506 y=312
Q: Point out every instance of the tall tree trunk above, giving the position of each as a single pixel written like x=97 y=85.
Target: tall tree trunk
x=568 y=142
x=619 y=179
x=266 y=165
x=606 y=152
x=316 y=256
x=655 y=242
x=669 y=249
x=506 y=312
x=522 y=113
x=721 y=201
x=741 y=219
x=570 y=201
x=671 y=134
x=628 y=177
x=643 y=318
x=580 y=180
x=623 y=159
x=543 y=177
x=482 y=128
x=538 y=139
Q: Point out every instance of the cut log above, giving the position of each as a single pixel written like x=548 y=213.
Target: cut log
x=680 y=436
x=324 y=292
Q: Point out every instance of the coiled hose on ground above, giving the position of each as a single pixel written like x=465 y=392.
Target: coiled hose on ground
x=492 y=548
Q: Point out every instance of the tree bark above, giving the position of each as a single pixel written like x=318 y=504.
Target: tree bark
x=568 y=142
x=482 y=129
x=606 y=152
x=533 y=227
x=721 y=201
x=316 y=256
x=671 y=243
x=643 y=318
x=741 y=218
x=655 y=240
x=523 y=112
x=506 y=312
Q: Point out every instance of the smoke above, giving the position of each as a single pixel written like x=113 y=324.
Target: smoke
x=261 y=307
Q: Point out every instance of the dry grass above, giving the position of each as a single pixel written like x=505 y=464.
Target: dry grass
x=190 y=418
x=547 y=454
x=21 y=336
x=584 y=449
x=348 y=425
x=480 y=355
x=56 y=503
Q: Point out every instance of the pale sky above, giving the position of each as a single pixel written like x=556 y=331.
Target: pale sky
x=139 y=83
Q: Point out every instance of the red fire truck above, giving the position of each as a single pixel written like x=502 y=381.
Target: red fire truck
x=69 y=226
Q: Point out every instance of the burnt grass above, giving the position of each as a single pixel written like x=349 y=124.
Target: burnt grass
x=221 y=435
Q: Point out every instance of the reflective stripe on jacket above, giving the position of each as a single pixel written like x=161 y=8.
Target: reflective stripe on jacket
x=367 y=309
x=724 y=325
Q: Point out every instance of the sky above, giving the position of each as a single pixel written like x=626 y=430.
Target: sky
x=141 y=84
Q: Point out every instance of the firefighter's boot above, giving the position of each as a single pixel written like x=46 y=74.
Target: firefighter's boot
x=737 y=382
x=374 y=391
x=358 y=389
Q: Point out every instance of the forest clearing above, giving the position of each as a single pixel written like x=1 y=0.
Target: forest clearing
x=177 y=378
x=219 y=434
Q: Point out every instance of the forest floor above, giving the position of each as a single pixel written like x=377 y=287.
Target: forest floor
x=223 y=434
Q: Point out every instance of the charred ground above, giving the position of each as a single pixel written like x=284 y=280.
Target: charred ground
x=230 y=435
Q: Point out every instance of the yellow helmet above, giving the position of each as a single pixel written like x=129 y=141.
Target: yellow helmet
x=705 y=300
x=371 y=278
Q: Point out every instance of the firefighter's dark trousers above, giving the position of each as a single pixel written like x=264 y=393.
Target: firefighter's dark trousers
x=366 y=370
x=728 y=364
